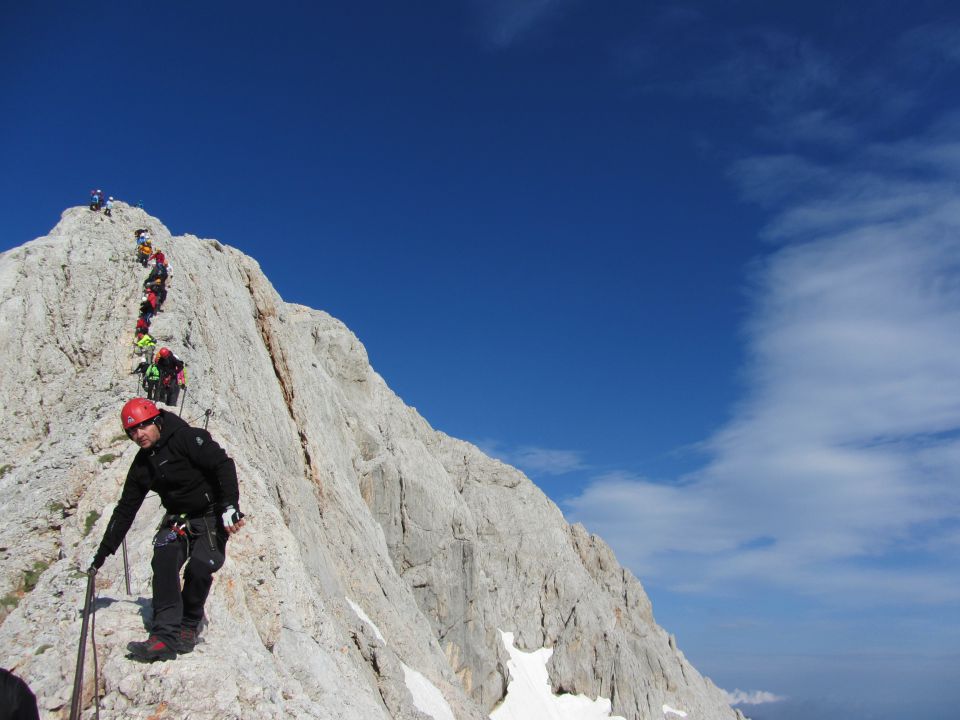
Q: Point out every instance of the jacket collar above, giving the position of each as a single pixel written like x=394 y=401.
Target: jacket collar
x=169 y=424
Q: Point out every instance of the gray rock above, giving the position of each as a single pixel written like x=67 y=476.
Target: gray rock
x=349 y=494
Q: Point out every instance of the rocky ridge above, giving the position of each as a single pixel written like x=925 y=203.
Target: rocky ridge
x=352 y=499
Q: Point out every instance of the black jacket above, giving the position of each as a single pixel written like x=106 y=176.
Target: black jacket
x=190 y=472
x=169 y=365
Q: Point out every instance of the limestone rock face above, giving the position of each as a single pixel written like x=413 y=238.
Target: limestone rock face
x=350 y=495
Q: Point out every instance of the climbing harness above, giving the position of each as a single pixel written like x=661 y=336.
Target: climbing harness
x=176 y=527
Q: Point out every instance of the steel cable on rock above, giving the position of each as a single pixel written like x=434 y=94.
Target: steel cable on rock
x=93 y=646
x=89 y=614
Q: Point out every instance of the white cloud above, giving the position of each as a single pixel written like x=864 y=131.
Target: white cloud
x=535 y=460
x=756 y=697
x=844 y=450
x=815 y=126
x=505 y=21
x=930 y=45
x=548 y=461
x=779 y=73
x=778 y=69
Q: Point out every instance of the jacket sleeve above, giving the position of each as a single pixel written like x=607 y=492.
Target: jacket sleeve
x=134 y=491
x=216 y=465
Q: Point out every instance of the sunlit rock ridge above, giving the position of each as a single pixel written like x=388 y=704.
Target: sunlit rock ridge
x=353 y=501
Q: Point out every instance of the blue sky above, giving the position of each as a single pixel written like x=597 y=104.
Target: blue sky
x=694 y=267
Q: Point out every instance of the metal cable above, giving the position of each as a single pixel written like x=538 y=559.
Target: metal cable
x=93 y=645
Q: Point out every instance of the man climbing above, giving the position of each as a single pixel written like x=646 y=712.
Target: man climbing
x=148 y=306
x=108 y=207
x=145 y=345
x=144 y=251
x=151 y=380
x=171 y=376
x=197 y=484
x=159 y=288
x=159 y=271
x=96 y=198
x=151 y=298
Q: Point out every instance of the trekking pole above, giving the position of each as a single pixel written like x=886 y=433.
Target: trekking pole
x=81 y=652
x=206 y=417
x=183 y=401
x=126 y=567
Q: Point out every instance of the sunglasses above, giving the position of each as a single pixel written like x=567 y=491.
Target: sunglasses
x=141 y=426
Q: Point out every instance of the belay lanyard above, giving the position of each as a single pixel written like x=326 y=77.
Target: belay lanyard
x=177 y=526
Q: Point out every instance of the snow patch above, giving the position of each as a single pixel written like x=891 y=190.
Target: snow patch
x=529 y=696
x=667 y=710
x=426 y=697
x=363 y=616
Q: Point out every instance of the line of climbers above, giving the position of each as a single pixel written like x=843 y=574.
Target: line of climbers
x=162 y=373
x=192 y=474
x=98 y=203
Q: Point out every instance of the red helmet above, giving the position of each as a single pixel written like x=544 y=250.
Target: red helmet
x=137 y=411
x=163 y=352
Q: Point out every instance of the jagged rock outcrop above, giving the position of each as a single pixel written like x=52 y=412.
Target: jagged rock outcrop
x=350 y=494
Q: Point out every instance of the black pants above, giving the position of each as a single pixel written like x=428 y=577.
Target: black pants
x=203 y=550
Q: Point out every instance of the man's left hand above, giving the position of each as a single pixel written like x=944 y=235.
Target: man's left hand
x=232 y=519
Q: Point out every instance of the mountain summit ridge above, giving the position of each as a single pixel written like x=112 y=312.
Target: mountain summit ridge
x=353 y=500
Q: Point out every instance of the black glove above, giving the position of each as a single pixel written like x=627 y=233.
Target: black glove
x=98 y=560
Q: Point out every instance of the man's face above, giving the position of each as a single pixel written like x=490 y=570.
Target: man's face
x=145 y=434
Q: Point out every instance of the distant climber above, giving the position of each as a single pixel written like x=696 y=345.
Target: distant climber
x=159 y=269
x=159 y=288
x=197 y=484
x=152 y=298
x=151 y=381
x=143 y=326
x=148 y=306
x=172 y=377
x=96 y=199
x=145 y=345
x=144 y=251
x=108 y=207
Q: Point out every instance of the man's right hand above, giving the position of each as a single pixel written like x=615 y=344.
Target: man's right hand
x=97 y=562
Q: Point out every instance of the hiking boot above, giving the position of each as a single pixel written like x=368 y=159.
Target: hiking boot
x=186 y=640
x=152 y=649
